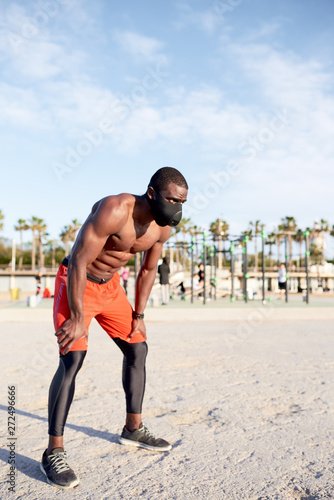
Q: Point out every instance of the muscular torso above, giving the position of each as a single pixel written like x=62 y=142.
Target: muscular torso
x=119 y=248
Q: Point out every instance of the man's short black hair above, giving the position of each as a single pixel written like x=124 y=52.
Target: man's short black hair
x=164 y=176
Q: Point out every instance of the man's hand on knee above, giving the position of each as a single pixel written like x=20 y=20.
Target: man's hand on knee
x=138 y=325
x=69 y=333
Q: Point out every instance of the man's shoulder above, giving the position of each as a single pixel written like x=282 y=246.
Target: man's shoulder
x=120 y=203
x=112 y=211
x=122 y=199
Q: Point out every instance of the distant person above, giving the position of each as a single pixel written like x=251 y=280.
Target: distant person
x=38 y=283
x=196 y=284
x=164 y=271
x=125 y=277
x=281 y=280
x=201 y=278
x=182 y=287
x=201 y=275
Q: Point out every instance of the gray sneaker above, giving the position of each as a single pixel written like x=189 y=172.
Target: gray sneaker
x=142 y=438
x=57 y=471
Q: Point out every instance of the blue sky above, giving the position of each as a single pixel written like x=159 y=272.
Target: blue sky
x=237 y=94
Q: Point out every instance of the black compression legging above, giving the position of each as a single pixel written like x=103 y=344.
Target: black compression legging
x=63 y=384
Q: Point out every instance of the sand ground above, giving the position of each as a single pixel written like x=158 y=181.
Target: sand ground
x=246 y=401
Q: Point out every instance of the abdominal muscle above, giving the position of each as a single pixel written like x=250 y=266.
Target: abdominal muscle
x=108 y=263
x=110 y=260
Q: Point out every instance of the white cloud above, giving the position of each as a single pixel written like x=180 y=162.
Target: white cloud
x=35 y=41
x=206 y=20
x=66 y=107
x=47 y=84
x=303 y=87
x=21 y=108
x=78 y=105
x=202 y=118
x=264 y=30
x=142 y=48
x=43 y=60
x=284 y=79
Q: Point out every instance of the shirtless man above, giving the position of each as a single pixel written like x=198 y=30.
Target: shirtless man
x=88 y=286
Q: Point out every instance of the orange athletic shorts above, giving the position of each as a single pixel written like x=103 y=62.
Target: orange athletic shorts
x=107 y=303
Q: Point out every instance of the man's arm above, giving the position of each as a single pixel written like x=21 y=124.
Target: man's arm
x=107 y=219
x=145 y=281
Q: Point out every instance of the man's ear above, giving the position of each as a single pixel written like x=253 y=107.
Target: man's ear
x=150 y=192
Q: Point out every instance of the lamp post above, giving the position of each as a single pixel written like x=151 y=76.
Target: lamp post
x=204 y=272
x=232 y=271
x=12 y=278
x=307 y=254
x=263 y=236
x=192 y=269
x=286 y=269
x=245 y=255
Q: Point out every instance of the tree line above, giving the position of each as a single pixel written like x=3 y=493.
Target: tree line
x=41 y=244
x=42 y=248
x=287 y=228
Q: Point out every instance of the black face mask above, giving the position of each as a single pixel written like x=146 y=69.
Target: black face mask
x=164 y=213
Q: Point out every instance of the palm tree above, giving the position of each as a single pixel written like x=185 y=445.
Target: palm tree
x=41 y=232
x=183 y=228
x=194 y=231
x=219 y=229
x=317 y=247
x=256 y=230
x=309 y=231
x=245 y=237
x=75 y=226
x=316 y=253
x=1 y=218
x=21 y=226
x=278 y=238
x=175 y=231
x=69 y=233
x=271 y=240
x=324 y=228
x=247 y=233
x=225 y=236
x=34 y=224
x=289 y=227
x=65 y=237
x=331 y=231
x=299 y=238
x=51 y=249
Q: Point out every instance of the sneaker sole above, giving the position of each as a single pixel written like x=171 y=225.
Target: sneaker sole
x=138 y=444
x=73 y=485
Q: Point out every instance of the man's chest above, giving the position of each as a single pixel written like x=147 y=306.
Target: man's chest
x=132 y=242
